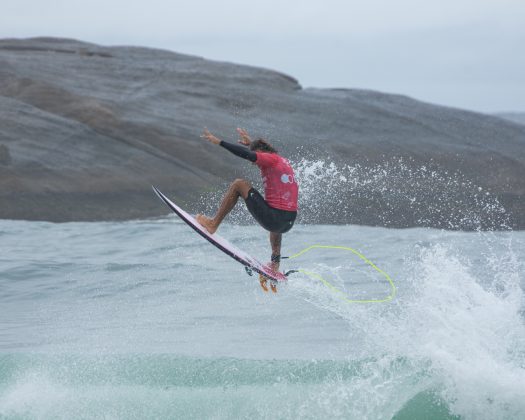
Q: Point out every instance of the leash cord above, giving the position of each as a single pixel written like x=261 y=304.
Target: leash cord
x=341 y=294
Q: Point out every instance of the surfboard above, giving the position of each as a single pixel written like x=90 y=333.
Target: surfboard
x=237 y=254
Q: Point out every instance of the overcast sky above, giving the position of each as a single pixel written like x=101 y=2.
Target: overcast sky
x=462 y=53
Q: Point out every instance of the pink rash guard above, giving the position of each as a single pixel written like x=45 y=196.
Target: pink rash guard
x=280 y=188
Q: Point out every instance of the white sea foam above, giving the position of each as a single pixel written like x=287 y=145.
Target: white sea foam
x=463 y=328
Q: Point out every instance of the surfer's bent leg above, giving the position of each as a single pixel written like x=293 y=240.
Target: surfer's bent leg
x=238 y=188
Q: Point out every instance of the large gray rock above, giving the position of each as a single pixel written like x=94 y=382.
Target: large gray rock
x=85 y=130
x=517 y=117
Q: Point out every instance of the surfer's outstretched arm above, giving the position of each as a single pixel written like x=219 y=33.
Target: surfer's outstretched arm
x=237 y=150
x=240 y=151
x=245 y=138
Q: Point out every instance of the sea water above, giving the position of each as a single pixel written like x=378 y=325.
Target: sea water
x=145 y=319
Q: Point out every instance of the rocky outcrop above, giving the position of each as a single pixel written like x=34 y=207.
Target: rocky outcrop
x=85 y=130
x=517 y=117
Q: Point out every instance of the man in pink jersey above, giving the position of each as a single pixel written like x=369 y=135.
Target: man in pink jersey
x=276 y=212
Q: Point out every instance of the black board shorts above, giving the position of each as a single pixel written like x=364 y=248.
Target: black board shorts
x=273 y=220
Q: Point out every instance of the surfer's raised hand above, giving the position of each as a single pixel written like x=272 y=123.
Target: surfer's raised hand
x=210 y=137
x=245 y=139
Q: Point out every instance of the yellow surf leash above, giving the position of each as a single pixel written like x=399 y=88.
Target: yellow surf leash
x=341 y=294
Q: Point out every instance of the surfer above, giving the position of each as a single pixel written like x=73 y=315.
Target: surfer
x=276 y=212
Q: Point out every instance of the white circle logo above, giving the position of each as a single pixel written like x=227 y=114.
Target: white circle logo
x=286 y=179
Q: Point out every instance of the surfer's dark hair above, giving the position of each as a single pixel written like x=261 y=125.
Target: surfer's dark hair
x=262 y=145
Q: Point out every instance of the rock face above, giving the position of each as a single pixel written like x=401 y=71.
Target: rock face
x=85 y=130
x=517 y=117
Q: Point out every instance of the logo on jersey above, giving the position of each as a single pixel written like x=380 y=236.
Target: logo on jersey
x=287 y=179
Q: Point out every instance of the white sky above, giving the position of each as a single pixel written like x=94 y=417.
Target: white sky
x=463 y=53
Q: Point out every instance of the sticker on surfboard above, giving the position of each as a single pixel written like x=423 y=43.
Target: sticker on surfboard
x=248 y=261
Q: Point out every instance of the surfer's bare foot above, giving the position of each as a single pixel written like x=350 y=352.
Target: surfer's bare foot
x=273 y=286
x=207 y=223
x=263 y=281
